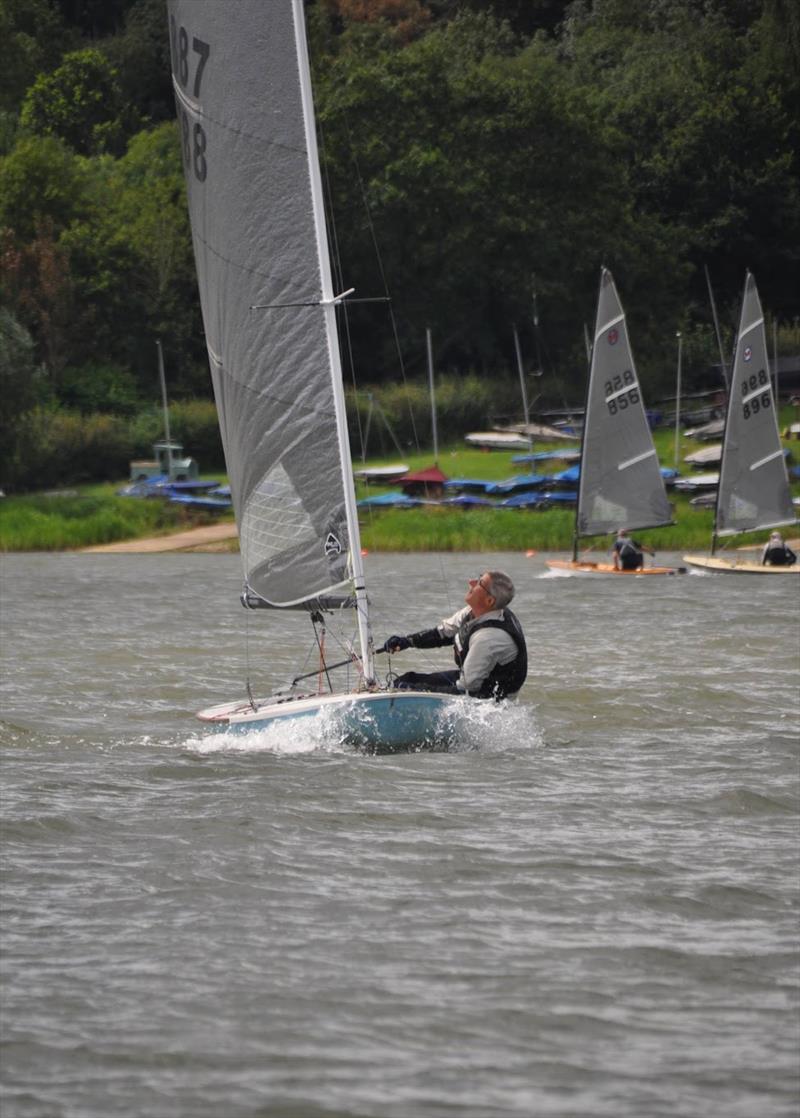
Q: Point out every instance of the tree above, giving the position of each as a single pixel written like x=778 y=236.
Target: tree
x=41 y=181
x=479 y=166
x=133 y=263
x=80 y=102
x=34 y=37
x=140 y=55
x=37 y=283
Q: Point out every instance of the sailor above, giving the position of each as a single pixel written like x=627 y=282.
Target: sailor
x=489 y=645
x=777 y=552
x=628 y=553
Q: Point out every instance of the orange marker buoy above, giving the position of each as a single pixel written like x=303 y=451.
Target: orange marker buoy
x=530 y=554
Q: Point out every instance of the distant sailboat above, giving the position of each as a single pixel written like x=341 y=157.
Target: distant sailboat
x=243 y=94
x=753 y=488
x=620 y=484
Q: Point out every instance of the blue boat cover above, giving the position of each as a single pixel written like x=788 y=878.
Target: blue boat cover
x=391 y=500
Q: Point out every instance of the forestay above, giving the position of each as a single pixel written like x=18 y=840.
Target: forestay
x=250 y=158
x=754 y=486
x=620 y=479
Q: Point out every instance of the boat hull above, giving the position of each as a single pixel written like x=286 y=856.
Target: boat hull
x=736 y=566
x=377 y=721
x=580 y=567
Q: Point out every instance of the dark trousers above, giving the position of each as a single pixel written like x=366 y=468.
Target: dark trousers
x=444 y=682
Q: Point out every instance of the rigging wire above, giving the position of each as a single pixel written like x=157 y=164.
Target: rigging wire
x=378 y=260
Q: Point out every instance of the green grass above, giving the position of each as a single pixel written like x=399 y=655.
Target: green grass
x=97 y=515
x=485 y=529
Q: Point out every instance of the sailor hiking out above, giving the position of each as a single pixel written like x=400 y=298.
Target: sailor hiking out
x=629 y=553
x=777 y=552
x=488 y=644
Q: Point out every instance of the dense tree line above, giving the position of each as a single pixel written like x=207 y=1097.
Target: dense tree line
x=477 y=156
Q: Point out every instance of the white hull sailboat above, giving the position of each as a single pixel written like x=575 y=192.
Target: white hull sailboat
x=244 y=101
x=620 y=483
x=753 y=491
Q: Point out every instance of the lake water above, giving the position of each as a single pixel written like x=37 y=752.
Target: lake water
x=589 y=908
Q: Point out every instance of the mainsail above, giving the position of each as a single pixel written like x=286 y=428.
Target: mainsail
x=620 y=480
x=249 y=150
x=753 y=484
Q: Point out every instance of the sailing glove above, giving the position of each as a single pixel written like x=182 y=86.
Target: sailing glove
x=395 y=644
x=428 y=638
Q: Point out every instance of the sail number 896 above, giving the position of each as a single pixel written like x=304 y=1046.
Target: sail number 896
x=624 y=399
x=756 y=403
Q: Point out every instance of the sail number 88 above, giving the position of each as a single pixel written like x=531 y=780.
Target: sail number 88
x=624 y=399
x=751 y=384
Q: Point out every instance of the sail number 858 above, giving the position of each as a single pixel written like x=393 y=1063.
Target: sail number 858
x=624 y=399
x=751 y=384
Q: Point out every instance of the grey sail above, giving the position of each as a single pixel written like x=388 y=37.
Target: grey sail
x=249 y=155
x=620 y=481
x=753 y=484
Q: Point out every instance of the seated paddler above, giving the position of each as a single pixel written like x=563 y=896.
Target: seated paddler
x=488 y=643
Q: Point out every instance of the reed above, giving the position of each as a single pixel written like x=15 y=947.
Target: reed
x=64 y=523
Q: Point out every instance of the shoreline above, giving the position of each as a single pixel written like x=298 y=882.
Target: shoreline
x=217 y=538
x=210 y=537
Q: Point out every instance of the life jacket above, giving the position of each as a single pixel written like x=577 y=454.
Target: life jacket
x=504 y=679
x=778 y=556
x=628 y=549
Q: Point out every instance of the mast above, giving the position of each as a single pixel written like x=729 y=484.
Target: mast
x=591 y=348
x=165 y=406
x=329 y=302
x=678 y=402
x=433 y=396
x=723 y=366
x=523 y=390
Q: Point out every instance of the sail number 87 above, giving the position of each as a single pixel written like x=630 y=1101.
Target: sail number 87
x=621 y=400
x=751 y=384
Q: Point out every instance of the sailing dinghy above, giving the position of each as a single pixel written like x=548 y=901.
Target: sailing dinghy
x=242 y=85
x=753 y=490
x=620 y=484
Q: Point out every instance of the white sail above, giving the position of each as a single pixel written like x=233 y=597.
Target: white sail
x=240 y=74
x=754 y=486
x=620 y=480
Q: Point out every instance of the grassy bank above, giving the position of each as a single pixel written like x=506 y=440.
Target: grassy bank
x=96 y=515
x=87 y=517
x=485 y=529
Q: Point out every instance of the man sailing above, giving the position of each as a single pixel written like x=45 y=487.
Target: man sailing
x=488 y=643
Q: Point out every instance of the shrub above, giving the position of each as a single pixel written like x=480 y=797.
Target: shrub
x=92 y=388
x=61 y=448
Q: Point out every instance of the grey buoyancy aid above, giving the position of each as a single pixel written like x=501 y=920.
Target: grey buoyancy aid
x=504 y=679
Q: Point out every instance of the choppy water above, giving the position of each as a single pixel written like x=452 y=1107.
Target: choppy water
x=589 y=909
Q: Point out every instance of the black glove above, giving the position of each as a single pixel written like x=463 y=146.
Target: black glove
x=395 y=644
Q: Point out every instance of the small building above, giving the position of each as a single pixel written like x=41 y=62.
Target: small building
x=168 y=462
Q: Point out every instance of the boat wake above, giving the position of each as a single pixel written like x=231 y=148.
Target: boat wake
x=466 y=726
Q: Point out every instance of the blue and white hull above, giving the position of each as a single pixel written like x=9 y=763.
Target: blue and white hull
x=378 y=721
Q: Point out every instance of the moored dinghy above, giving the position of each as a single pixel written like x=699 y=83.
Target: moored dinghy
x=269 y=312
x=620 y=483
x=753 y=488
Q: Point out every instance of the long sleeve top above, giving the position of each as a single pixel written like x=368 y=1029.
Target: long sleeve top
x=488 y=647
